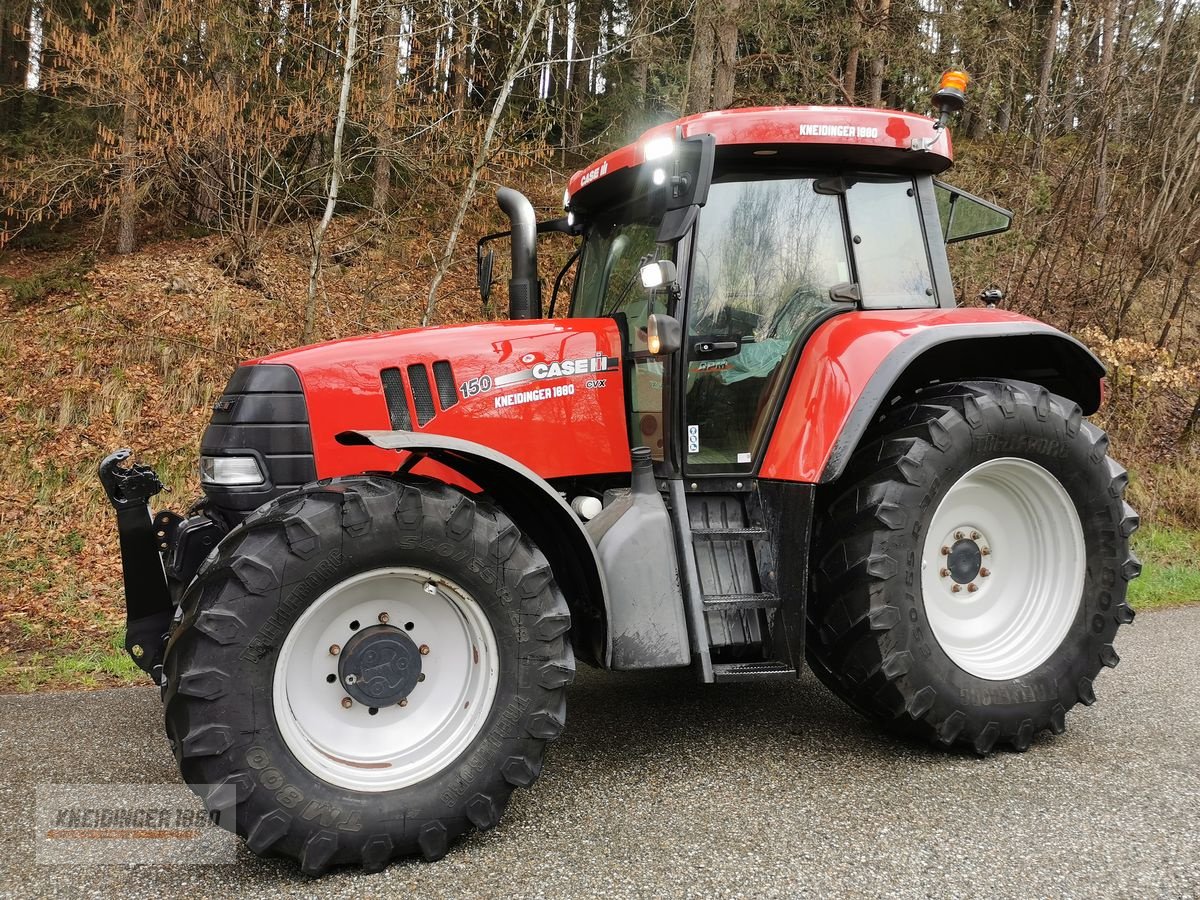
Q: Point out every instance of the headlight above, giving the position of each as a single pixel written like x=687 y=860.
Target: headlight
x=230 y=471
x=657 y=148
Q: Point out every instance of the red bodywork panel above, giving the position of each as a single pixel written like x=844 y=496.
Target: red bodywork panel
x=834 y=368
x=512 y=392
x=828 y=125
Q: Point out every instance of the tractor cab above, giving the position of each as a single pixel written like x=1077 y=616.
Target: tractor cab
x=731 y=237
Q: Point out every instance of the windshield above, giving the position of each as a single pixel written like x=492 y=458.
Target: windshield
x=609 y=283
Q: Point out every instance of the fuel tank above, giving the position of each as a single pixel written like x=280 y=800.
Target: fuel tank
x=548 y=393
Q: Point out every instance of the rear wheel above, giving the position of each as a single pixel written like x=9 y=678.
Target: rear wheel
x=373 y=666
x=972 y=566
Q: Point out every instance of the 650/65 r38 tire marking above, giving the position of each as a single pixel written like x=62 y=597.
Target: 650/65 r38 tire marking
x=411 y=591
x=972 y=565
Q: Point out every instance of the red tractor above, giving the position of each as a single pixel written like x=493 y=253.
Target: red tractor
x=759 y=431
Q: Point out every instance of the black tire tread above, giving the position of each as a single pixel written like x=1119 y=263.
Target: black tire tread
x=259 y=555
x=849 y=618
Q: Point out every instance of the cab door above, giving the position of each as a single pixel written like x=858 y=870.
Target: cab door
x=766 y=254
x=773 y=258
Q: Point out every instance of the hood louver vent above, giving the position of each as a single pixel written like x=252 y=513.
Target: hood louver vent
x=418 y=379
x=444 y=376
x=397 y=403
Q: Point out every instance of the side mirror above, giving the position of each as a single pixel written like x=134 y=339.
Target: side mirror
x=483 y=267
x=991 y=296
x=664 y=334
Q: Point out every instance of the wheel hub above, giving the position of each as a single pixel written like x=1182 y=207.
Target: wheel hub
x=964 y=561
x=379 y=666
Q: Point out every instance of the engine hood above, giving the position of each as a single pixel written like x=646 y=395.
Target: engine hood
x=548 y=393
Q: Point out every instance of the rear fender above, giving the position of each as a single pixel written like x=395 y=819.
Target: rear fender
x=537 y=509
x=855 y=363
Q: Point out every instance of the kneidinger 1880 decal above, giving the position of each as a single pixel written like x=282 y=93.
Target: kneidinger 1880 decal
x=587 y=365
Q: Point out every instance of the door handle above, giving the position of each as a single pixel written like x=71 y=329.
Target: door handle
x=705 y=348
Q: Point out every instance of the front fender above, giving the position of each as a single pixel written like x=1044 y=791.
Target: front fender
x=856 y=362
x=538 y=510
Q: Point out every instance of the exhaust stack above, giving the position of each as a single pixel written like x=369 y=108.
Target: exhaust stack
x=524 y=290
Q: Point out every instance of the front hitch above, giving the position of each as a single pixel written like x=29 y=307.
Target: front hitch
x=148 y=606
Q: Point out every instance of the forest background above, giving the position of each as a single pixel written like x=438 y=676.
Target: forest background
x=188 y=183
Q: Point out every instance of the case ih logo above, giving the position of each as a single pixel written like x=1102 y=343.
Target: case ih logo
x=598 y=172
x=587 y=365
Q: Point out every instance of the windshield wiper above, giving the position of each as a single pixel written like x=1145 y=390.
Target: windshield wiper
x=625 y=293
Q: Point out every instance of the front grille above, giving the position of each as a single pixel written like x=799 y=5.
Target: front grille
x=261 y=413
x=418 y=380
x=397 y=403
x=444 y=376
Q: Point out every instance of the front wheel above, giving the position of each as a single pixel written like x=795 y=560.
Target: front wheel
x=372 y=665
x=972 y=566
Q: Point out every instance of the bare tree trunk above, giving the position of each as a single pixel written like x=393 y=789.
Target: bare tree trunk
x=1042 y=102
x=14 y=57
x=388 y=58
x=726 y=55
x=587 y=41
x=1193 y=424
x=882 y=27
x=1005 y=109
x=850 y=74
x=1180 y=299
x=127 y=226
x=700 y=71
x=335 y=174
x=1100 y=208
x=1075 y=56
x=640 y=52
x=460 y=63
x=481 y=157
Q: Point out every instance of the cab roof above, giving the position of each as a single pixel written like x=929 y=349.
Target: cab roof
x=820 y=135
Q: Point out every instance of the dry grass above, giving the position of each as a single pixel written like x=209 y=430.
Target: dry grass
x=132 y=361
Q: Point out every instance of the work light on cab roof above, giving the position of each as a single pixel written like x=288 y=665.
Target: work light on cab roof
x=753 y=426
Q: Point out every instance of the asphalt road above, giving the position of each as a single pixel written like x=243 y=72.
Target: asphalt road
x=664 y=787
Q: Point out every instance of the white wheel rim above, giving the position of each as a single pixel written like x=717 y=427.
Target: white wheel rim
x=1012 y=615
x=397 y=745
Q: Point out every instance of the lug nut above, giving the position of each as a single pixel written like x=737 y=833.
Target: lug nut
x=944 y=573
x=986 y=551
x=334 y=649
x=945 y=551
x=954 y=589
x=384 y=618
x=347 y=703
x=958 y=535
x=403 y=702
x=972 y=587
x=984 y=573
x=424 y=649
x=974 y=535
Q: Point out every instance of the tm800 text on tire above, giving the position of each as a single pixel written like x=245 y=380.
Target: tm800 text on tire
x=372 y=665
x=972 y=565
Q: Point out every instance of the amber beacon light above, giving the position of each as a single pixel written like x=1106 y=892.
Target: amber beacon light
x=951 y=94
